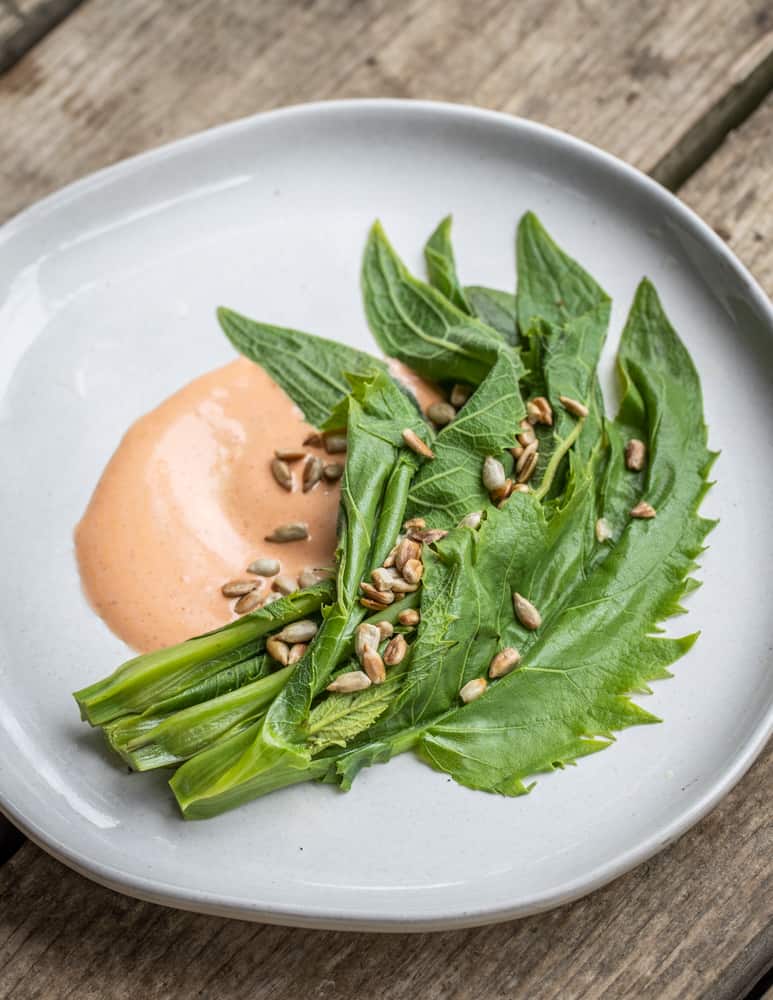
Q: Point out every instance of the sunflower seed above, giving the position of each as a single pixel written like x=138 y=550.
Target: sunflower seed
x=295 y=531
x=395 y=651
x=247 y=603
x=527 y=452
x=366 y=636
x=635 y=455
x=412 y=571
x=506 y=660
x=278 y=650
x=441 y=414
x=300 y=631
x=381 y=597
x=390 y=559
x=526 y=433
x=539 y=411
x=348 y=683
x=517 y=451
x=428 y=536
x=289 y=454
x=408 y=549
x=383 y=578
x=335 y=443
x=493 y=474
x=409 y=617
x=460 y=394
x=416 y=444
x=264 y=567
x=386 y=629
x=282 y=474
x=401 y=586
x=526 y=613
x=473 y=689
x=271 y=598
x=573 y=406
x=643 y=510
x=528 y=469
x=308 y=577
x=284 y=584
x=313 y=440
x=312 y=472
x=238 y=588
x=373 y=666
x=414 y=524
x=502 y=492
x=603 y=531
x=471 y=520
x=333 y=471
x=296 y=652
x=371 y=605
x=520 y=488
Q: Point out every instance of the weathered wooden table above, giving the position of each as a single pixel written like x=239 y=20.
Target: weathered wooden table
x=684 y=90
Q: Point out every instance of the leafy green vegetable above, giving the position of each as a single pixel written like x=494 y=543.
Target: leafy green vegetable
x=494 y=308
x=441 y=266
x=414 y=322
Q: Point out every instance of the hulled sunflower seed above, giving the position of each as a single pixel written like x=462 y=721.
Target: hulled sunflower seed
x=271 y=598
x=313 y=440
x=460 y=393
x=573 y=406
x=603 y=531
x=526 y=613
x=473 y=689
x=412 y=571
x=366 y=636
x=493 y=473
x=278 y=650
x=409 y=617
x=407 y=549
x=333 y=471
x=238 y=588
x=525 y=455
x=428 y=536
x=414 y=524
x=382 y=597
x=539 y=411
x=643 y=510
x=300 y=631
x=308 y=577
x=371 y=605
x=416 y=444
x=284 y=584
x=517 y=451
x=441 y=414
x=507 y=659
x=526 y=433
x=386 y=629
x=471 y=520
x=373 y=666
x=264 y=567
x=348 y=683
x=295 y=531
x=335 y=443
x=312 y=472
x=401 y=586
x=395 y=651
x=383 y=578
x=281 y=473
x=390 y=559
x=528 y=468
x=502 y=492
x=289 y=454
x=520 y=488
x=247 y=603
x=296 y=652
x=635 y=455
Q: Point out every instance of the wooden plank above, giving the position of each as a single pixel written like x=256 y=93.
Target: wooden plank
x=24 y=22
x=734 y=193
x=632 y=77
x=693 y=922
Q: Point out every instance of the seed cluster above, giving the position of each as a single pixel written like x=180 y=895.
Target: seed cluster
x=402 y=570
x=314 y=468
x=268 y=584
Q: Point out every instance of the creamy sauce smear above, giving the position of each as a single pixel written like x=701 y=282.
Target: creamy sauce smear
x=187 y=498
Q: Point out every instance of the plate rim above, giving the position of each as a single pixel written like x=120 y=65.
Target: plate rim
x=311 y=916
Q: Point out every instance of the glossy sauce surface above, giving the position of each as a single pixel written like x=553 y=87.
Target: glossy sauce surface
x=187 y=499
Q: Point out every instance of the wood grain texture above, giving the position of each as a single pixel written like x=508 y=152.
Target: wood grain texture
x=25 y=22
x=123 y=77
x=734 y=193
x=693 y=922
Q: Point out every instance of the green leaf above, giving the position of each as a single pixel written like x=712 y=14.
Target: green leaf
x=311 y=370
x=340 y=717
x=441 y=266
x=450 y=487
x=413 y=322
x=494 y=308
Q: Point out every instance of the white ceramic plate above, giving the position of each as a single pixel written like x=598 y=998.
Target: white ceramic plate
x=107 y=293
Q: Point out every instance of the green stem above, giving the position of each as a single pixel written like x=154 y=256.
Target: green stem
x=555 y=459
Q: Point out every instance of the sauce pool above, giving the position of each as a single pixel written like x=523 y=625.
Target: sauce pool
x=186 y=500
